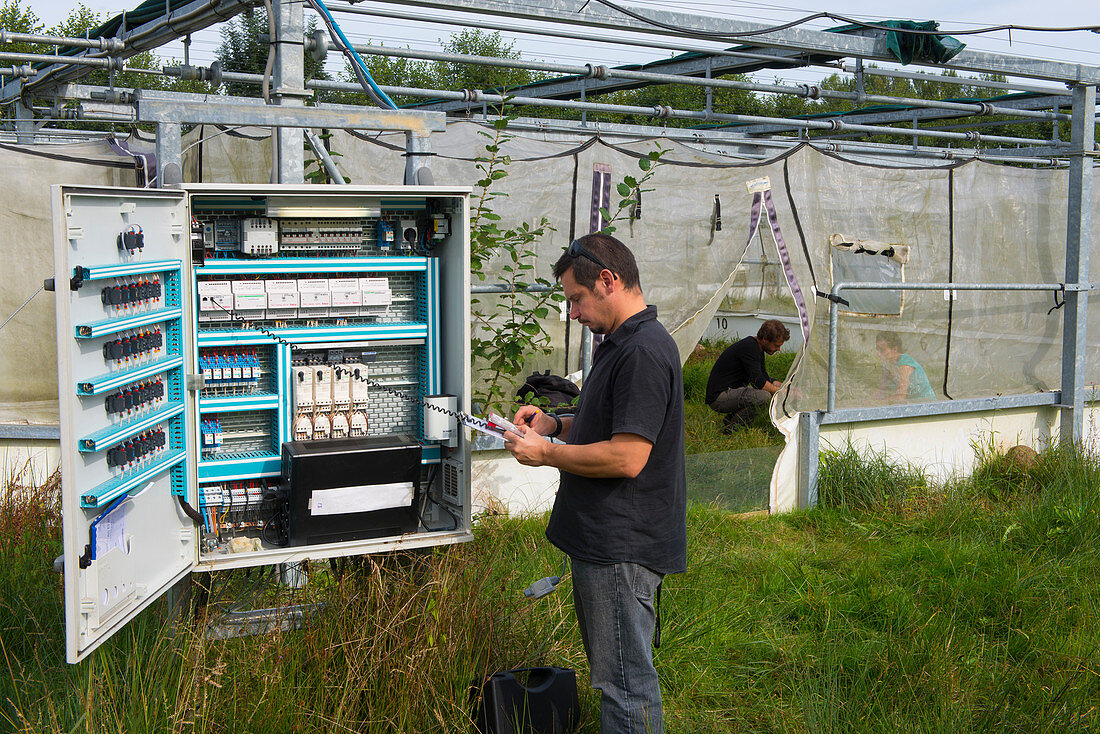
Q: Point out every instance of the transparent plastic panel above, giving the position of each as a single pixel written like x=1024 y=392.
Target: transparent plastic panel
x=973 y=222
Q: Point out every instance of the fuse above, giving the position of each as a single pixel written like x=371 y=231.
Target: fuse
x=131 y=239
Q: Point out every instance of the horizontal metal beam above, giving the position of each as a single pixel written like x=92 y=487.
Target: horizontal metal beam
x=947 y=287
x=715 y=140
x=474 y=96
x=29 y=432
x=155 y=106
x=98 y=62
x=908 y=115
x=942 y=407
x=585 y=12
x=961 y=81
x=99 y=44
x=595 y=79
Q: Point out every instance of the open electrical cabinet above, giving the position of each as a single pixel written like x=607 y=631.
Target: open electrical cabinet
x=243 y=376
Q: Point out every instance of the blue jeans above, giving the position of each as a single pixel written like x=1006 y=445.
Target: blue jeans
x=616 y=616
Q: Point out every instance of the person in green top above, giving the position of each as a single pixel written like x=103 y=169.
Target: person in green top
x=904 y=380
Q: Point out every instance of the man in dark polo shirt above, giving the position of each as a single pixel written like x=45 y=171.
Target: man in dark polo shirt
x=620 y=511
x=739 y=385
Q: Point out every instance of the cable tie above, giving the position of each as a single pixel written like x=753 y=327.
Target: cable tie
x=834 y=298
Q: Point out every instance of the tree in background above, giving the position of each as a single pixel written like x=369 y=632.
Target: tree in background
x=476 y=42
x=17 y=19
x=448 y=75
x=244 y=50
x=388 y=71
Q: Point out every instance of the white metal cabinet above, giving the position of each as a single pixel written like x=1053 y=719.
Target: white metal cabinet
x=135 y=337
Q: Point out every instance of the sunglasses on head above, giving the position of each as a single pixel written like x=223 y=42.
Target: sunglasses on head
x=576 y=249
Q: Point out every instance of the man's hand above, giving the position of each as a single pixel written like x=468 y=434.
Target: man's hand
x=530 y=448
x=531 y=417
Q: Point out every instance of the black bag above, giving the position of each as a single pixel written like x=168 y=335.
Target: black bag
x=546 y=703
x=554 y=391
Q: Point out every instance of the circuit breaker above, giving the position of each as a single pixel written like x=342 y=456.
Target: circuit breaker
x=207 y=334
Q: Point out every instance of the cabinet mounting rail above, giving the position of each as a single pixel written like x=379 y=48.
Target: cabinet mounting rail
x=112 y=435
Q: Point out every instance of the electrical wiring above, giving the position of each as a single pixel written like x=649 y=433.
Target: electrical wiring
x=224 y=131
x=358 y=66
x=435 y=501
x=40 y=289
x=841 y=19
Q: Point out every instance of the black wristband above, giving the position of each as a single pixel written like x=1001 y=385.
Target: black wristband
x=557 y=426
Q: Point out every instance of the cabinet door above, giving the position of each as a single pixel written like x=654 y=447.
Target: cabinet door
x=122 y=267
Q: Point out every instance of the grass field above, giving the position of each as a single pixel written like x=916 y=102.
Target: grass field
x=896 y=606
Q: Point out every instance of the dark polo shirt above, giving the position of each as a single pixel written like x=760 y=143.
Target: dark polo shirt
x=741 y=364
x=635 y=386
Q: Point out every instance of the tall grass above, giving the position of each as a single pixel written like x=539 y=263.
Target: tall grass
x=396 y=647
x=868 y=482
x=898 y=605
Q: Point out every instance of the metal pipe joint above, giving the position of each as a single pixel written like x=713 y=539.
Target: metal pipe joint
x=189 y=73
x=596 y=71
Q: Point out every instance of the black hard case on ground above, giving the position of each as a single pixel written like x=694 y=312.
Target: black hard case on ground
x=527 y=701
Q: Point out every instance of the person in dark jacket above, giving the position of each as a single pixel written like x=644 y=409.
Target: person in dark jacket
x=620 y=513
x=739 y=384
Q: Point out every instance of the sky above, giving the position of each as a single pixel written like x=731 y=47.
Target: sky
x=1079 y=47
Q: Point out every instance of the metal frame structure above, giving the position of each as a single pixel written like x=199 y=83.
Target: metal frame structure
x=706 y=55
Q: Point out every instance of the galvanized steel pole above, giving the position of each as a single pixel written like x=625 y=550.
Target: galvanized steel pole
x=1078 y=234
x=289 y=89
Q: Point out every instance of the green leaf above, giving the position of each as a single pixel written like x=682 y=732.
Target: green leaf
x=623 y=189
x=645 y=163
x=631 y=182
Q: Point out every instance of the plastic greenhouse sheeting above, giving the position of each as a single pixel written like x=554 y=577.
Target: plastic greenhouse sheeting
x=962 y=222
x=28 y=346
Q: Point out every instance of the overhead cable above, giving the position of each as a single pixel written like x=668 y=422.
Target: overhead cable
x=358 y=66
x=841 y=19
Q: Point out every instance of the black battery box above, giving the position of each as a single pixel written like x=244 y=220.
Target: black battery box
x=351 y=488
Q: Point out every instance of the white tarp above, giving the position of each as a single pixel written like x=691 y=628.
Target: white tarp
x=28 y=346
x=966 y=222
